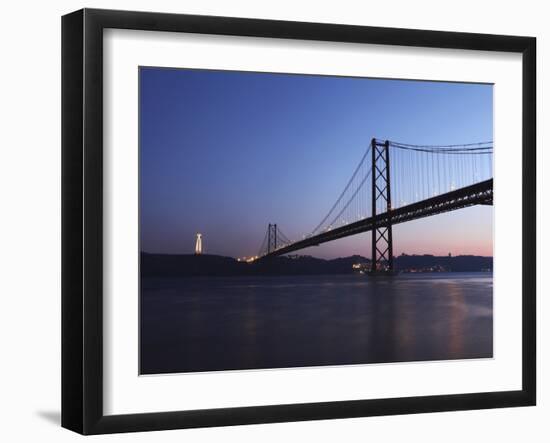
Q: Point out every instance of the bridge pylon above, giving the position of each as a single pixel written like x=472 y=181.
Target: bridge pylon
x=271 y=237
x=382 y=239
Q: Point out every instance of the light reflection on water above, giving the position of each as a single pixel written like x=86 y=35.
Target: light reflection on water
x=206 y=324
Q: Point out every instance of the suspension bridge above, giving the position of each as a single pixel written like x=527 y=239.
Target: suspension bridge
x=396 y=183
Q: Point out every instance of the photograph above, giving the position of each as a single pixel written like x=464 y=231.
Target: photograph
x=292 y=220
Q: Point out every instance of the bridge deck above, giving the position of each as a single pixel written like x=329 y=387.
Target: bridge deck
x=478 y=194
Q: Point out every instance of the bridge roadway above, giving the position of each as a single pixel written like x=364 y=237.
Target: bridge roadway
x=477 y=194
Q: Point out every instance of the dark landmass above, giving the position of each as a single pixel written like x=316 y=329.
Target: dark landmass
x=460 y=263
x=165 y=265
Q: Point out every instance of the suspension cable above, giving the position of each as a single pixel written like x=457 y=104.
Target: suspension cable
x=343 y=192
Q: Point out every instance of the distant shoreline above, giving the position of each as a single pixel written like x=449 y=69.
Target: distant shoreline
x=182 y=265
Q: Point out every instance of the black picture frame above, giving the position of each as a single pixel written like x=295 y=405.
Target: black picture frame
x=82 y=218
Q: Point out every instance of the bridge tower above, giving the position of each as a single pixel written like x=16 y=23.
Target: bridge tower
x=382 y=241
x=271 y=237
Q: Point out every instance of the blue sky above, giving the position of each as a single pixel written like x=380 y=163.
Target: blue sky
x=225 y=153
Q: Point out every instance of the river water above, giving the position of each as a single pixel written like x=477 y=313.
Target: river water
x=207 y=324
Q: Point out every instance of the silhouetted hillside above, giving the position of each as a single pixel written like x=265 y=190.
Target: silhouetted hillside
x=304 y=265
x=171 y=265
x=165 y=265
x=460 y=263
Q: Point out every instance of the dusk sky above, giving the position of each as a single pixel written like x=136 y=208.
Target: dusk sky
x=225 y=153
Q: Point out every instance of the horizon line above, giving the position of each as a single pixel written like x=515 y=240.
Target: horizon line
x=321 y=258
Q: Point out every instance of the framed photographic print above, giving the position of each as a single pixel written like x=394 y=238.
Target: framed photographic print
x=269 y=221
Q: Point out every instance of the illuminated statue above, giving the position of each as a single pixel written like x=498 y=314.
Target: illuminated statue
x=198 y=244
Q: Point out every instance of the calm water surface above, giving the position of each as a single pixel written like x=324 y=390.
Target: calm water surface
x=207 y=324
